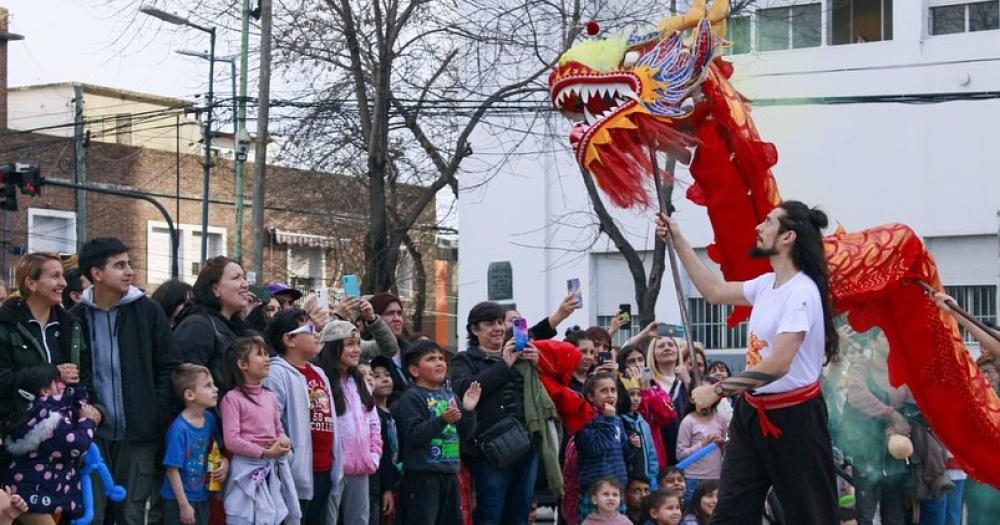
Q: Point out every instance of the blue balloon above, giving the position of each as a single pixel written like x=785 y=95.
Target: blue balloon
x=702 y=452
x=92 y=461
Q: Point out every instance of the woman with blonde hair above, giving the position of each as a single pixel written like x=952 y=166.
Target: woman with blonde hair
x=35 y=329
x=663 y=359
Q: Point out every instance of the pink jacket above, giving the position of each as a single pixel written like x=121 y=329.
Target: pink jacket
x=251 y=420
x=360 y=433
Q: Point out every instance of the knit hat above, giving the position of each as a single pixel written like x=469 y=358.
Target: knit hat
x=338 y=330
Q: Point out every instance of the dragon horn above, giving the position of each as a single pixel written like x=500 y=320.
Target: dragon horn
x=685 y=21
x=717 y=17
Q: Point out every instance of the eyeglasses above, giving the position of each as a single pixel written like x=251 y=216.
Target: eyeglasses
x=304 y=329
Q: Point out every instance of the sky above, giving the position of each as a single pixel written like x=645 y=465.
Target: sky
x=83 y=42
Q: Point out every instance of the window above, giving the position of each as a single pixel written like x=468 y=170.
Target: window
x=188 y=250
x=980 y=301
x=859 y=21
x=738 y=32
x=790 y=27
x=51 y=231
x=306 y=267
x=948 y=17
x=624 y=333
x=708 y=325
x=123 y=128
x=405 y=274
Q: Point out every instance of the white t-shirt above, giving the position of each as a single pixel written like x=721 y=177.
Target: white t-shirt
x=793 y=307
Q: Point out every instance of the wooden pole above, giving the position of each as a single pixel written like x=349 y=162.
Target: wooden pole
x=666 y=209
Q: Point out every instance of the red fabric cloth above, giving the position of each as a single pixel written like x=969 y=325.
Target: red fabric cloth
x=320 y=419
x=658 y=410
x=556 y=364
x=570 y=507
x=872 y=278
x=766 y=402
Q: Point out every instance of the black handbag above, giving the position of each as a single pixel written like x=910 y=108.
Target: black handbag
x=504 y=443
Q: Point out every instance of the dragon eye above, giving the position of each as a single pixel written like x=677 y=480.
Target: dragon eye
x=630 y=58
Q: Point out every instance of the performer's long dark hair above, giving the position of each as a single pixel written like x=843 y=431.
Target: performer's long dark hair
x=808 y=256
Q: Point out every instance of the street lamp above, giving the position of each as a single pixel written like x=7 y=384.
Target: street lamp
x=181 y=21
x=241 y=143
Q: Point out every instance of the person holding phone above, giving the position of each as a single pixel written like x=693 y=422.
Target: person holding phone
x=503 y=492
x=779 y=433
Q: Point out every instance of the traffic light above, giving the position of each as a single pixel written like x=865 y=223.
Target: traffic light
x=31 y=179
x=27 y=177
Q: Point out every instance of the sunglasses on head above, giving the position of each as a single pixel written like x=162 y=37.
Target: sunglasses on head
x=304 y=329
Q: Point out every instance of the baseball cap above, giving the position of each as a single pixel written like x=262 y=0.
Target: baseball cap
x=282 y=288
x=338 y=330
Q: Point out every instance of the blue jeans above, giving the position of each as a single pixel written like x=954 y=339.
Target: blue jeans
x=953 y=503
x=932 y=511
x=504 y=496
x=691 y=484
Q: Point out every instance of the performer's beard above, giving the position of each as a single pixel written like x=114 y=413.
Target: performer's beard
x=761 y=252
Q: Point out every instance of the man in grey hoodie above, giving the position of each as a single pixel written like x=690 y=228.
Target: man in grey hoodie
x=307 y=412
x=133 y=356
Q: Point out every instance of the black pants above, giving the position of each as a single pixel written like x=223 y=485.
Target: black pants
x=314 y=510
x=429 y=498
x=799 y=465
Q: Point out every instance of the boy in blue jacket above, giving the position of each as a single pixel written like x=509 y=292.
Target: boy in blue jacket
x=431 y=426
x=603 y=447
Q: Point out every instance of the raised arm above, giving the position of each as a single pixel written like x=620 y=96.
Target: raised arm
x=712 y=288
x=988 y=343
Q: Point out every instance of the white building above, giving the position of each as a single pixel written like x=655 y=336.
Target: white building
x=880 y=113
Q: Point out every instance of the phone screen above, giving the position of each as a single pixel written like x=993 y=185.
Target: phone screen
x=670 y=330
x=573 y=287
x=351 y=286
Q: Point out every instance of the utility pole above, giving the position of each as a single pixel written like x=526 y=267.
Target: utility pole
x=241 y=126
x=260 y=152
x=208 y=147
x=80 y=151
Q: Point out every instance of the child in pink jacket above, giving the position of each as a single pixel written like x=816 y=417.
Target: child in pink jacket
x=357 y=421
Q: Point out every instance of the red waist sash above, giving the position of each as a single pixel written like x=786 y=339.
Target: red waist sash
x=765 y=402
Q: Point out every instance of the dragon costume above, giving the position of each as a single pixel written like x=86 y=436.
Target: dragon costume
x=663 y=91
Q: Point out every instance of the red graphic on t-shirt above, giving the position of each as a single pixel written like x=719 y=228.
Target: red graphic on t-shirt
x=754 y=347
x=320 y=419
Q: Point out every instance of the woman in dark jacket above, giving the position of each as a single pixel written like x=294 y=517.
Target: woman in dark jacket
x=207 y=326
x=35 y=329
x=503 y=495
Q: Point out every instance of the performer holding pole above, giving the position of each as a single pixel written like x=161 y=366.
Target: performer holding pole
x=778 y=436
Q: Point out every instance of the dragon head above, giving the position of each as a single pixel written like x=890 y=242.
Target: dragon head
x=629 y=95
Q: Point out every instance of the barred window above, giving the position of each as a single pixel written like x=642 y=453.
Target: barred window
x=624 y=333
x=708 y=325
x=979 y=300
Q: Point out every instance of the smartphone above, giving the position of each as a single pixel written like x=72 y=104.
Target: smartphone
x=647 y=374
x=603 y=357
x=625 y=312
x=351 y=286
x=670 y=330
x=323 y=298
x=573 y=287
x=520 y=328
